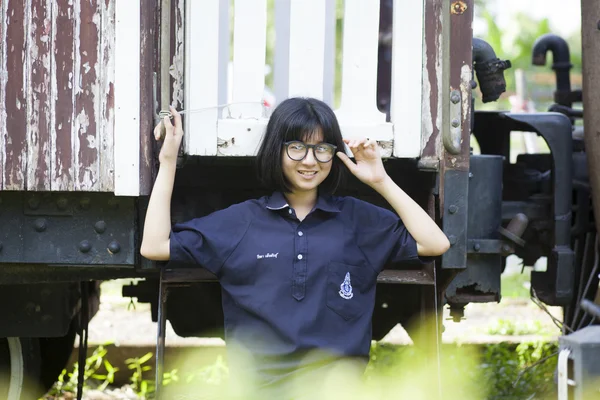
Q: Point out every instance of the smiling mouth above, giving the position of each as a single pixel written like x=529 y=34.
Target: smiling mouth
x=307 y=173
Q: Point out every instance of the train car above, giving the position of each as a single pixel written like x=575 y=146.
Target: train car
x=83 y=83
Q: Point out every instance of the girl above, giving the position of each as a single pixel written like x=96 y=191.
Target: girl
x=298 y=268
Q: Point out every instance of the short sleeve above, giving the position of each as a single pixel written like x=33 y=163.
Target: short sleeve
x=383 y=238
x=208 y=241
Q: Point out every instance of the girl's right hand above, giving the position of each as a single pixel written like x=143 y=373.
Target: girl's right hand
x=173 y=136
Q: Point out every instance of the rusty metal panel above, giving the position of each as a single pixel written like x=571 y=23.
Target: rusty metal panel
x=148 y=63
x=56 y=95
x=432 y=83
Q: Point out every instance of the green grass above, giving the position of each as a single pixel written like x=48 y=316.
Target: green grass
x=516 y=285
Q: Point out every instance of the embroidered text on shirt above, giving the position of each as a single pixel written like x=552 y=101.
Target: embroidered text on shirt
x=346 y=288
x=268 y=255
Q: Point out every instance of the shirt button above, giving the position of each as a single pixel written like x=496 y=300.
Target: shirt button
x=300 y=233
x=290 y=211
x=299 y=256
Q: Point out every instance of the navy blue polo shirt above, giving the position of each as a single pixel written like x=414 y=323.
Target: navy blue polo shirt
x=289 y=286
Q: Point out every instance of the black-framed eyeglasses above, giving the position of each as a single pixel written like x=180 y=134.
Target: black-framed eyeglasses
x=297 y=150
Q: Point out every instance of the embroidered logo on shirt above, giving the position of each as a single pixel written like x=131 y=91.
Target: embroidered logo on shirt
x=346 y=288
x=268 y=255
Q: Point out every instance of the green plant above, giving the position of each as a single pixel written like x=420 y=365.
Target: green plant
x=67 y=381
x=510 y=328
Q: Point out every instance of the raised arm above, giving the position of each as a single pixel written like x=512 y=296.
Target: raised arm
x=157 y=226
x=431 y=240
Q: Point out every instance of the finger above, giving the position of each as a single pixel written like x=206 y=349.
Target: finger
x=176 y=116
x=168 y=124
x=347 y=161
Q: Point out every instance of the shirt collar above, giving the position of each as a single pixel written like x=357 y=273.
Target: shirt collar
x=277 y=201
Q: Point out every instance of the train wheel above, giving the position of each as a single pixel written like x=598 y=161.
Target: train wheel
x=19 y=368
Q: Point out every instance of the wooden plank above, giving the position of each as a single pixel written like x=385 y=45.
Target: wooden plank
x=177 y=53
x=148 y=46
x=203 y=74
x=3 y=80
x=15 y=96
x=106 y=118
x=62 y=174
x=127 y=98
x=432 y=85
x=39 y=57
x=407 y=77
x=358 y=106
x=307 y=48
x=87 y=92
x=249 y=47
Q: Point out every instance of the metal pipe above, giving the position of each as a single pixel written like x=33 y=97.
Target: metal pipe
x=489 y=69
x=561 y=64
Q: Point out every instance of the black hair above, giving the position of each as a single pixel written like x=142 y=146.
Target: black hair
x=298 y=118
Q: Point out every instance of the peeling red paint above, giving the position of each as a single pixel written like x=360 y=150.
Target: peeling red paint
x=57 y=95
x=15 y=97
x=38 y=102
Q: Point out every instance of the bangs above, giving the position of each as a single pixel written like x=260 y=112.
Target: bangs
x=306 y=125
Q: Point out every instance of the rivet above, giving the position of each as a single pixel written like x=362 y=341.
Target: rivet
x=473 y=84
x=454 y=98
x=40 y=225
x=453 y=209
x=62 y=203
x=452 y=240
x=100 y=227
x=114 y=247
x=85 y=246
x=476 y=247
x=34 y=203
x=85 y=203
x=506 y=248
x=455 y=123
x=470 y=175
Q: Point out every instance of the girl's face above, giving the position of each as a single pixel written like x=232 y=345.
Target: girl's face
x=307 y=174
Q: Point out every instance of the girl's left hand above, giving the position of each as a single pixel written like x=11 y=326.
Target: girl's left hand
x=368 y=167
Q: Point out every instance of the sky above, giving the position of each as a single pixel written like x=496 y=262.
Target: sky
x=564 y=15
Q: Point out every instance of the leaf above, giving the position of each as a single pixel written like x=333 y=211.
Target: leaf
x=145 y=358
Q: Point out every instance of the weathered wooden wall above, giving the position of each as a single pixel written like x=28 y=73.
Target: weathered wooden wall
x=57 y=95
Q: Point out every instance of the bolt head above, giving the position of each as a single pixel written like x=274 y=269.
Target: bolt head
x=114 y=247
x=100 y=227
x=85 y=246
x=40 y=225
x=455 y=98
x=455 y=123
x=476 y=247
x=453 y=209
x=452 y=239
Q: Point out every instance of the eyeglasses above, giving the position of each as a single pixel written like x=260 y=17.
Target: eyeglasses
x=297 y=150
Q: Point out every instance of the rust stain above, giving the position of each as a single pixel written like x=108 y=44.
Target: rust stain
x=147 y=49
x=458 y=7
x=63 y=80
x=38 y=102
x=15 y=144
x=432 y=79
x=87 y=40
